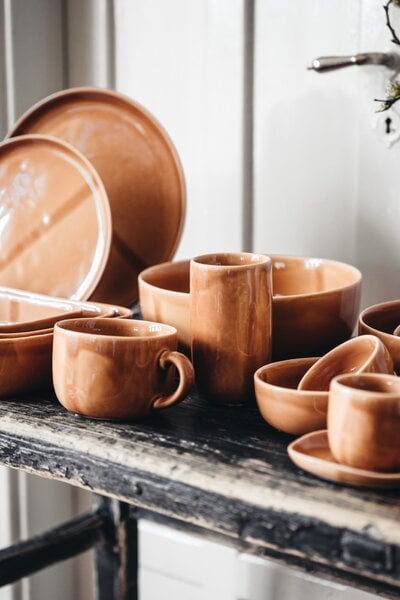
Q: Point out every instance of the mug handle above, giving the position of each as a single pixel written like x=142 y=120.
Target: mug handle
x=186 y=378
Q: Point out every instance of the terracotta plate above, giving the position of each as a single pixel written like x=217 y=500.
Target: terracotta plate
x=55 y=223
x=311 y=453
x=140 y=170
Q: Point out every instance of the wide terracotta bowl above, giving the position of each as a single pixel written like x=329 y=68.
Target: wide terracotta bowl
x=164 y=297
x=381 y=320
x=314 y=308
x=284 y=406
x=23 y=312
x=25 y=357
x=315 y=305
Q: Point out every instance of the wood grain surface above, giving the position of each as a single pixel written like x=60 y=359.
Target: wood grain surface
x=221 y=469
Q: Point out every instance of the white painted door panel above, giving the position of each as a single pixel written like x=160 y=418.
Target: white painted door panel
x=305 y=130
x=326 y=184
x=184 y=62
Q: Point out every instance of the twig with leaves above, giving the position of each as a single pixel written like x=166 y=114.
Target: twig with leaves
x=393 y=89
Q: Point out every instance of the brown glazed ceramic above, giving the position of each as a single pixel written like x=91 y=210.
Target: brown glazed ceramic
x=140 y=169
x=363 y=354
x=26 y=357
x=55 y=219
x=164 y=297
x=364 y=421
x=230 y=323
x=117 y=369
x=22 y=312
x=282 y=405
x=381 y=320
x=25 y=363
x=315 y=306
x=96 y=310
x=311 y=453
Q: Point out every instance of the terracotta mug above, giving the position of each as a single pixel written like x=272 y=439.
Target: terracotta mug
x=230 y=313
x=364 y=421
x=116 y=368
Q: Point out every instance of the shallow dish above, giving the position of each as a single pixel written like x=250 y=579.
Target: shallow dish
x=381 y=320
x=311 y=453
x=282 y=405
x=314 y=307
x=22 y=312
x=55 y=221
x=362 y=354
x=140 y=169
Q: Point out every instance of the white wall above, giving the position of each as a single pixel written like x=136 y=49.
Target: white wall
x=184 y=62
x=325 y=182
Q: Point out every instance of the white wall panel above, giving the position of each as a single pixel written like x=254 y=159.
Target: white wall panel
x=305 y=129
x=378 y=239
x=184 y=62
x=32 y=65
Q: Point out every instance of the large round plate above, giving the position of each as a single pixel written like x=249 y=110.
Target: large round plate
x=55 y=221
x=139 y=168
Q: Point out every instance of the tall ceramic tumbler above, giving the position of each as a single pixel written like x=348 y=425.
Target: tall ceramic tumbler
x=230 y=312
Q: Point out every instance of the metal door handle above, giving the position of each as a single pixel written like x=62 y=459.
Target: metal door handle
x=331 y=63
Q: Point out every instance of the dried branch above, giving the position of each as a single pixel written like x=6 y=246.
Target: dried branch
x=386 y=6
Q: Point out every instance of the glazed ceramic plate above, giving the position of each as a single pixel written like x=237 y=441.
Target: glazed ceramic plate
x=140 y=170
x=55 y=222
x=25 y=313
x=311 y=453
x=22 y=311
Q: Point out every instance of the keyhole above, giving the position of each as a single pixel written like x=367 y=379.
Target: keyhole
x=388 y=122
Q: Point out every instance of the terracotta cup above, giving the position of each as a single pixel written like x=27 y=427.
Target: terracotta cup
x=230 y=312
x=117 y=368
x=363 y=354
x=364 y=421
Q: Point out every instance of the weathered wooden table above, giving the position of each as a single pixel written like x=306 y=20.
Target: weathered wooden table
x=221 y=472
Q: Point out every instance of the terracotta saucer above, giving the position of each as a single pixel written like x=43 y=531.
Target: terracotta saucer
x=55 y=222
x=141 y=172
x=311 y=453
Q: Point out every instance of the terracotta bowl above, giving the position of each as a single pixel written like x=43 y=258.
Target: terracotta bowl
x=363 y=354
x=315 y=304
x=25 y=363
x=164 y=297
x=25 y=357
x=282 y=405
x=382 y=320
x=24 y=313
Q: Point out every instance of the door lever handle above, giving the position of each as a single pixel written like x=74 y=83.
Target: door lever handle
x=324 y=64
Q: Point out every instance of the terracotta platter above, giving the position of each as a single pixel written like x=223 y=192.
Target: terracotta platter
x=311 y=453
x=140 y=170
x=55 y=223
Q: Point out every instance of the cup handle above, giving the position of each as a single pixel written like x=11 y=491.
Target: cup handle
x=186 y=378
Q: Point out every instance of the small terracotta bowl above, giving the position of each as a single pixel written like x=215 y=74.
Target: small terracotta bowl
x=282 y=405
x=382 y=320
x=314 y=308
x=363 y=354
